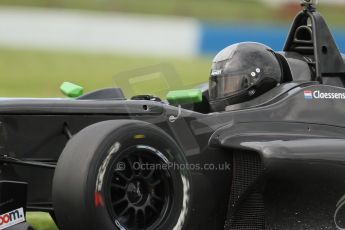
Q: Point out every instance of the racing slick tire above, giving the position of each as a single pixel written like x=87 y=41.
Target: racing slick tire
x=118 y=175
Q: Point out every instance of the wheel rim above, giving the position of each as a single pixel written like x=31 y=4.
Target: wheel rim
x=141 y=192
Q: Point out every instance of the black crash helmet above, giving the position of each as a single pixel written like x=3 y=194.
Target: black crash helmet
x=242 y=72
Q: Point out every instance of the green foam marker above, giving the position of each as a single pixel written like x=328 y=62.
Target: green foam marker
x=71 y=90
x=181 y=97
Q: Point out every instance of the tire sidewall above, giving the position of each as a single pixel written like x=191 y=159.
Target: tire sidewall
x=108 y=154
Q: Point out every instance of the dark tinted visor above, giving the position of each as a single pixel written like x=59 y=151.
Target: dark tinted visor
x=221 y=86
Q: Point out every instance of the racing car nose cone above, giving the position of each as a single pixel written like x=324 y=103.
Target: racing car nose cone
x=135 y=192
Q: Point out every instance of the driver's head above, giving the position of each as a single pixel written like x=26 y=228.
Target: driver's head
x=242 y=72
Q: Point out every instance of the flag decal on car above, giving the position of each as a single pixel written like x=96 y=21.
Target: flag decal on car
x=308 y=94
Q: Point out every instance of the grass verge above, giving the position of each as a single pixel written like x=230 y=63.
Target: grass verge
x=33 y=73
x=41 y=221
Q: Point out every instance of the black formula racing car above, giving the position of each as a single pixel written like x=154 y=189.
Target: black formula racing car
x=262 y=146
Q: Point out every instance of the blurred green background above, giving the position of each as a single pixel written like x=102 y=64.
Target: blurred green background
x=37 y=73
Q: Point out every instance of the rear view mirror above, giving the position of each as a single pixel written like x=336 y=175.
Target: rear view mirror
x=181 y=97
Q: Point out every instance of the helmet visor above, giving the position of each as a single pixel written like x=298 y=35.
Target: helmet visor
x=221 y=86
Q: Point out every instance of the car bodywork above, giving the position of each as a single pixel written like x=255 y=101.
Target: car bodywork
x=285 y=148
